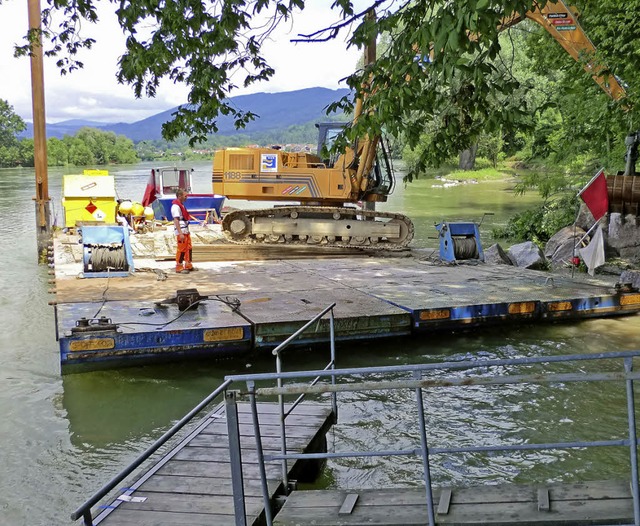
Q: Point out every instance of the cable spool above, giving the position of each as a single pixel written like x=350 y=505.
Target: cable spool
x=465 y=248
x=459 y=241
x=106 y=251
x=103 y=258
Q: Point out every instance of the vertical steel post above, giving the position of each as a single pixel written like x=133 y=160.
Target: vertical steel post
x=43 y=223
x=251 y=386
x=334 y=394
x=87 y=518
x=425 y=451
x=235 y=457
x=283 y=430
x=633 y=442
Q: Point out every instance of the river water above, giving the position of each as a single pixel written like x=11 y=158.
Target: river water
x=64 y=437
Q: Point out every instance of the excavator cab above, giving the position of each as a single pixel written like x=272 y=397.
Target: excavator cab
x=380 y=180
x=327 y=133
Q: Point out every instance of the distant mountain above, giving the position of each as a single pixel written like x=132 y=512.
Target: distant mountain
x=275 y=111
x=60 y=129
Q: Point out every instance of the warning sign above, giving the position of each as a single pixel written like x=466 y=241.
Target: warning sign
x=562 y=22
x=99 y=215
x=558 y=15
x=91 y=208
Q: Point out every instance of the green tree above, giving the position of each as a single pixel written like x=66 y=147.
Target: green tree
x=124 y=151
x=78 y=152
x=431 y=71
x=25 y=148
x=57 y=154
x=210 y=46
x=11 y=124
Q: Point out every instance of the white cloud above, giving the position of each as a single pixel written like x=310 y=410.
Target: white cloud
x=94 y=94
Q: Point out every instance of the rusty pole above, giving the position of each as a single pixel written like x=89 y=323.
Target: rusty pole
x=42 y=200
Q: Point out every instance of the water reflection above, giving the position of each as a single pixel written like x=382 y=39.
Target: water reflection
x=105 y=408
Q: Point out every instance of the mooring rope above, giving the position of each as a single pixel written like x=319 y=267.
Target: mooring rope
x=105 y=258
x=465 y=248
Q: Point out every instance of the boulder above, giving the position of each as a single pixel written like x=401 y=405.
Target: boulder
x=527 y=255
x=495 y=255
x=632 y=277
x=560 y=248
x=623 y=232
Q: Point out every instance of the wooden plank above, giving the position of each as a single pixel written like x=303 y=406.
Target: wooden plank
x=513 y=514
x=348 y=504
x=265 y=430
x=401 y=507
x=605 y=489
x=164 y=518
x=185 y=503
x=203 y=485
x=271 y=443
x=366 y=497
x=308 y=409
x=213 y=454
x=216 y=470
x=543 y=499
x=444 y=501
x=489 y=494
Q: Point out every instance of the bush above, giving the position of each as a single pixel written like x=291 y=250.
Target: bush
x=540 y=223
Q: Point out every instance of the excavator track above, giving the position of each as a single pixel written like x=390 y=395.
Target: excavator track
x=326 y=226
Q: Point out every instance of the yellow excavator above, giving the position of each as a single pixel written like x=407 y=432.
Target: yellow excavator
x=328 y=189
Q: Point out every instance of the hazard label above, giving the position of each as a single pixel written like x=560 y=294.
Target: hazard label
x=99 y=215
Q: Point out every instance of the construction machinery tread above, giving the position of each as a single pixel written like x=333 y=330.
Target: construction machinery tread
x=239 y=227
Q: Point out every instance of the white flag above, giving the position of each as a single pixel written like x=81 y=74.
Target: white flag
x=593 y=253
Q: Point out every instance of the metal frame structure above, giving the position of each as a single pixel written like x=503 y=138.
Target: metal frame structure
x=84 y=510
x=419 y=383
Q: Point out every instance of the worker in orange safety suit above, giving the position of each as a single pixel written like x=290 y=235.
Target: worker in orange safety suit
x=181 y=222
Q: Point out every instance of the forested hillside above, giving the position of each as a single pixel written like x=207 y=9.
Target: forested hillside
x=276 y=112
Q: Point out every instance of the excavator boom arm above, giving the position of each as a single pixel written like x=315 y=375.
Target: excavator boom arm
x=561 y=22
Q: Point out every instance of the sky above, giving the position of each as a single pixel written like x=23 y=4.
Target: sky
x=94 y=94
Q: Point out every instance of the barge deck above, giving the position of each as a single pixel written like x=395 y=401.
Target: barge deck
x=253 y=305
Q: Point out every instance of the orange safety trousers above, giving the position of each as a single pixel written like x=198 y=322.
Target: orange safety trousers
x=184 y=251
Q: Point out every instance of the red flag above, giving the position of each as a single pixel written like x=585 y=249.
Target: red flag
x=150 y=191
x=595 y=195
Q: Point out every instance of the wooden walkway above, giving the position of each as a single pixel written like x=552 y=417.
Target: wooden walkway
x=591 y=503
x=191 y=485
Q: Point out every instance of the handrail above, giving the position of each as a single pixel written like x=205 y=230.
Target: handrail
x=236 y=468
x=466 y=364
x=418 y=383
x=85 y=509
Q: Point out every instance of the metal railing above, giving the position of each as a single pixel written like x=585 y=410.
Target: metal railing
x=423 y=378
x=234 y=429
x=419 y=378
x=84 y=510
